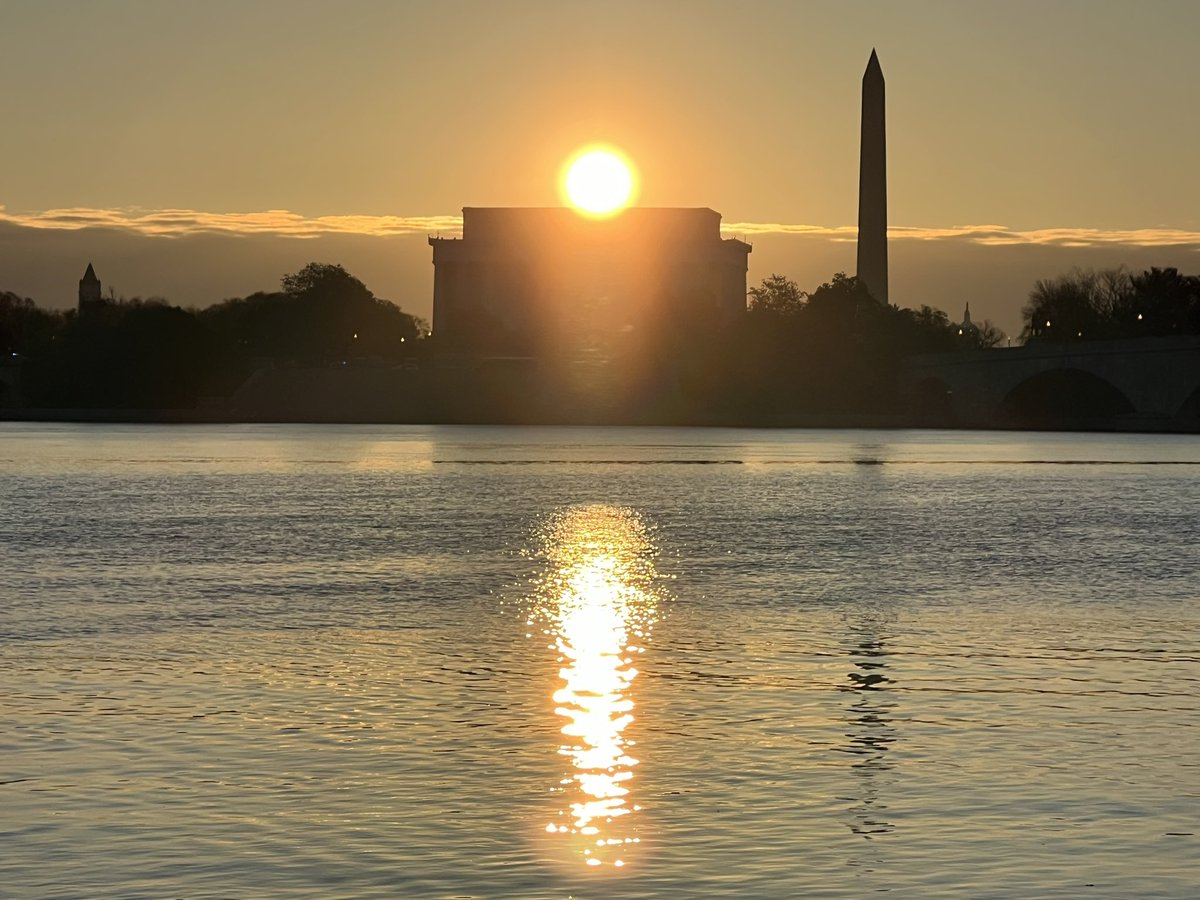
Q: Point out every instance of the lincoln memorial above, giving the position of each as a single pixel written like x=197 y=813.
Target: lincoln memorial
x=543 y=282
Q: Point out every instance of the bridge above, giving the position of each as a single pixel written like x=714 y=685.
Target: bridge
x=1151 y=384
x=10 y=380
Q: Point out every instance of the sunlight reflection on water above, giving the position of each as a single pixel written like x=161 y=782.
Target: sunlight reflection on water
x=597 y=601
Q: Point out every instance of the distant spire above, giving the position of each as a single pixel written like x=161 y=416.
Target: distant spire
x=89 y=291
x=967 y=316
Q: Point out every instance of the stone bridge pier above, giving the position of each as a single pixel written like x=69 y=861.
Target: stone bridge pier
x=10 y=382
x=1150 y=384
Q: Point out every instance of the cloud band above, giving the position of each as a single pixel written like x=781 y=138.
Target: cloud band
x=169 y=223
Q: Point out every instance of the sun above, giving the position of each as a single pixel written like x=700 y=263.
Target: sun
x=598 y=181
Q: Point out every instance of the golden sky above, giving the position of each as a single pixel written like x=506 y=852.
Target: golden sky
x=1064 y=125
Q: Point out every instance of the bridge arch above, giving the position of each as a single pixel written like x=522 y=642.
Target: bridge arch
x=1189 y=410
x=1066 y=396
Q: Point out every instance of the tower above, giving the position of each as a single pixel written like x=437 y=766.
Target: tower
x=968 y=328
x=89 y=290
x=872 y=186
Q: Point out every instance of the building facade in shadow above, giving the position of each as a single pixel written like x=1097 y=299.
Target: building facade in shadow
x=550 y=282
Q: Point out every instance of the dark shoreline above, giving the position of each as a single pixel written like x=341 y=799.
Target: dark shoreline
x=815 y=422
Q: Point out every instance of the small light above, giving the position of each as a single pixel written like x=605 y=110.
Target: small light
x=356 y=335
x=1139 y=317
x=1047 y=323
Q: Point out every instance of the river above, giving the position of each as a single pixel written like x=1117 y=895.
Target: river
x=297 y=661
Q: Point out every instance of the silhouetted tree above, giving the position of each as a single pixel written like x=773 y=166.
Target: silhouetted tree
x=843 y=292
x=348 y=319
x=926 y=330
x=986 y=336
x=1066 y=308
x=1163 y=302
x=123 y=354
x=777 y=295
x=323 y=314
x=25 y=329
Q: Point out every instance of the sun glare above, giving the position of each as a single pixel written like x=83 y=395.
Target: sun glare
x=598 y=602
x=598 y=181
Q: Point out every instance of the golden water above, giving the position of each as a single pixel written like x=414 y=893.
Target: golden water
x=459 y=662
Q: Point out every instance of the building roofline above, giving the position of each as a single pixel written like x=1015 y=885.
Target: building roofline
x=628 y=209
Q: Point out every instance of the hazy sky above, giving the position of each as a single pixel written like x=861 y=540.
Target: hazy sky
x=1058 y=124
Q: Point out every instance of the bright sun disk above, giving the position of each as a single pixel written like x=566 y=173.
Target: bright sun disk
x=598 y=182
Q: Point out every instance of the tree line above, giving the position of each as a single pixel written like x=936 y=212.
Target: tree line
x=150 y=354
x=1112 y=304
x=834 y=350
x=794 y=353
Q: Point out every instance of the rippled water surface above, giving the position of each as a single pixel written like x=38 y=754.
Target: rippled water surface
x=470 y=662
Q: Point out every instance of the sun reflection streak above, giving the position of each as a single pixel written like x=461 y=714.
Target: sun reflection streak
x=598 y=603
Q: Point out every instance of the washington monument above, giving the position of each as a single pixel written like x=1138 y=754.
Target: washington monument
x=872 y=186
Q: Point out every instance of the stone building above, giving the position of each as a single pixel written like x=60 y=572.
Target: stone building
x=540 y=282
